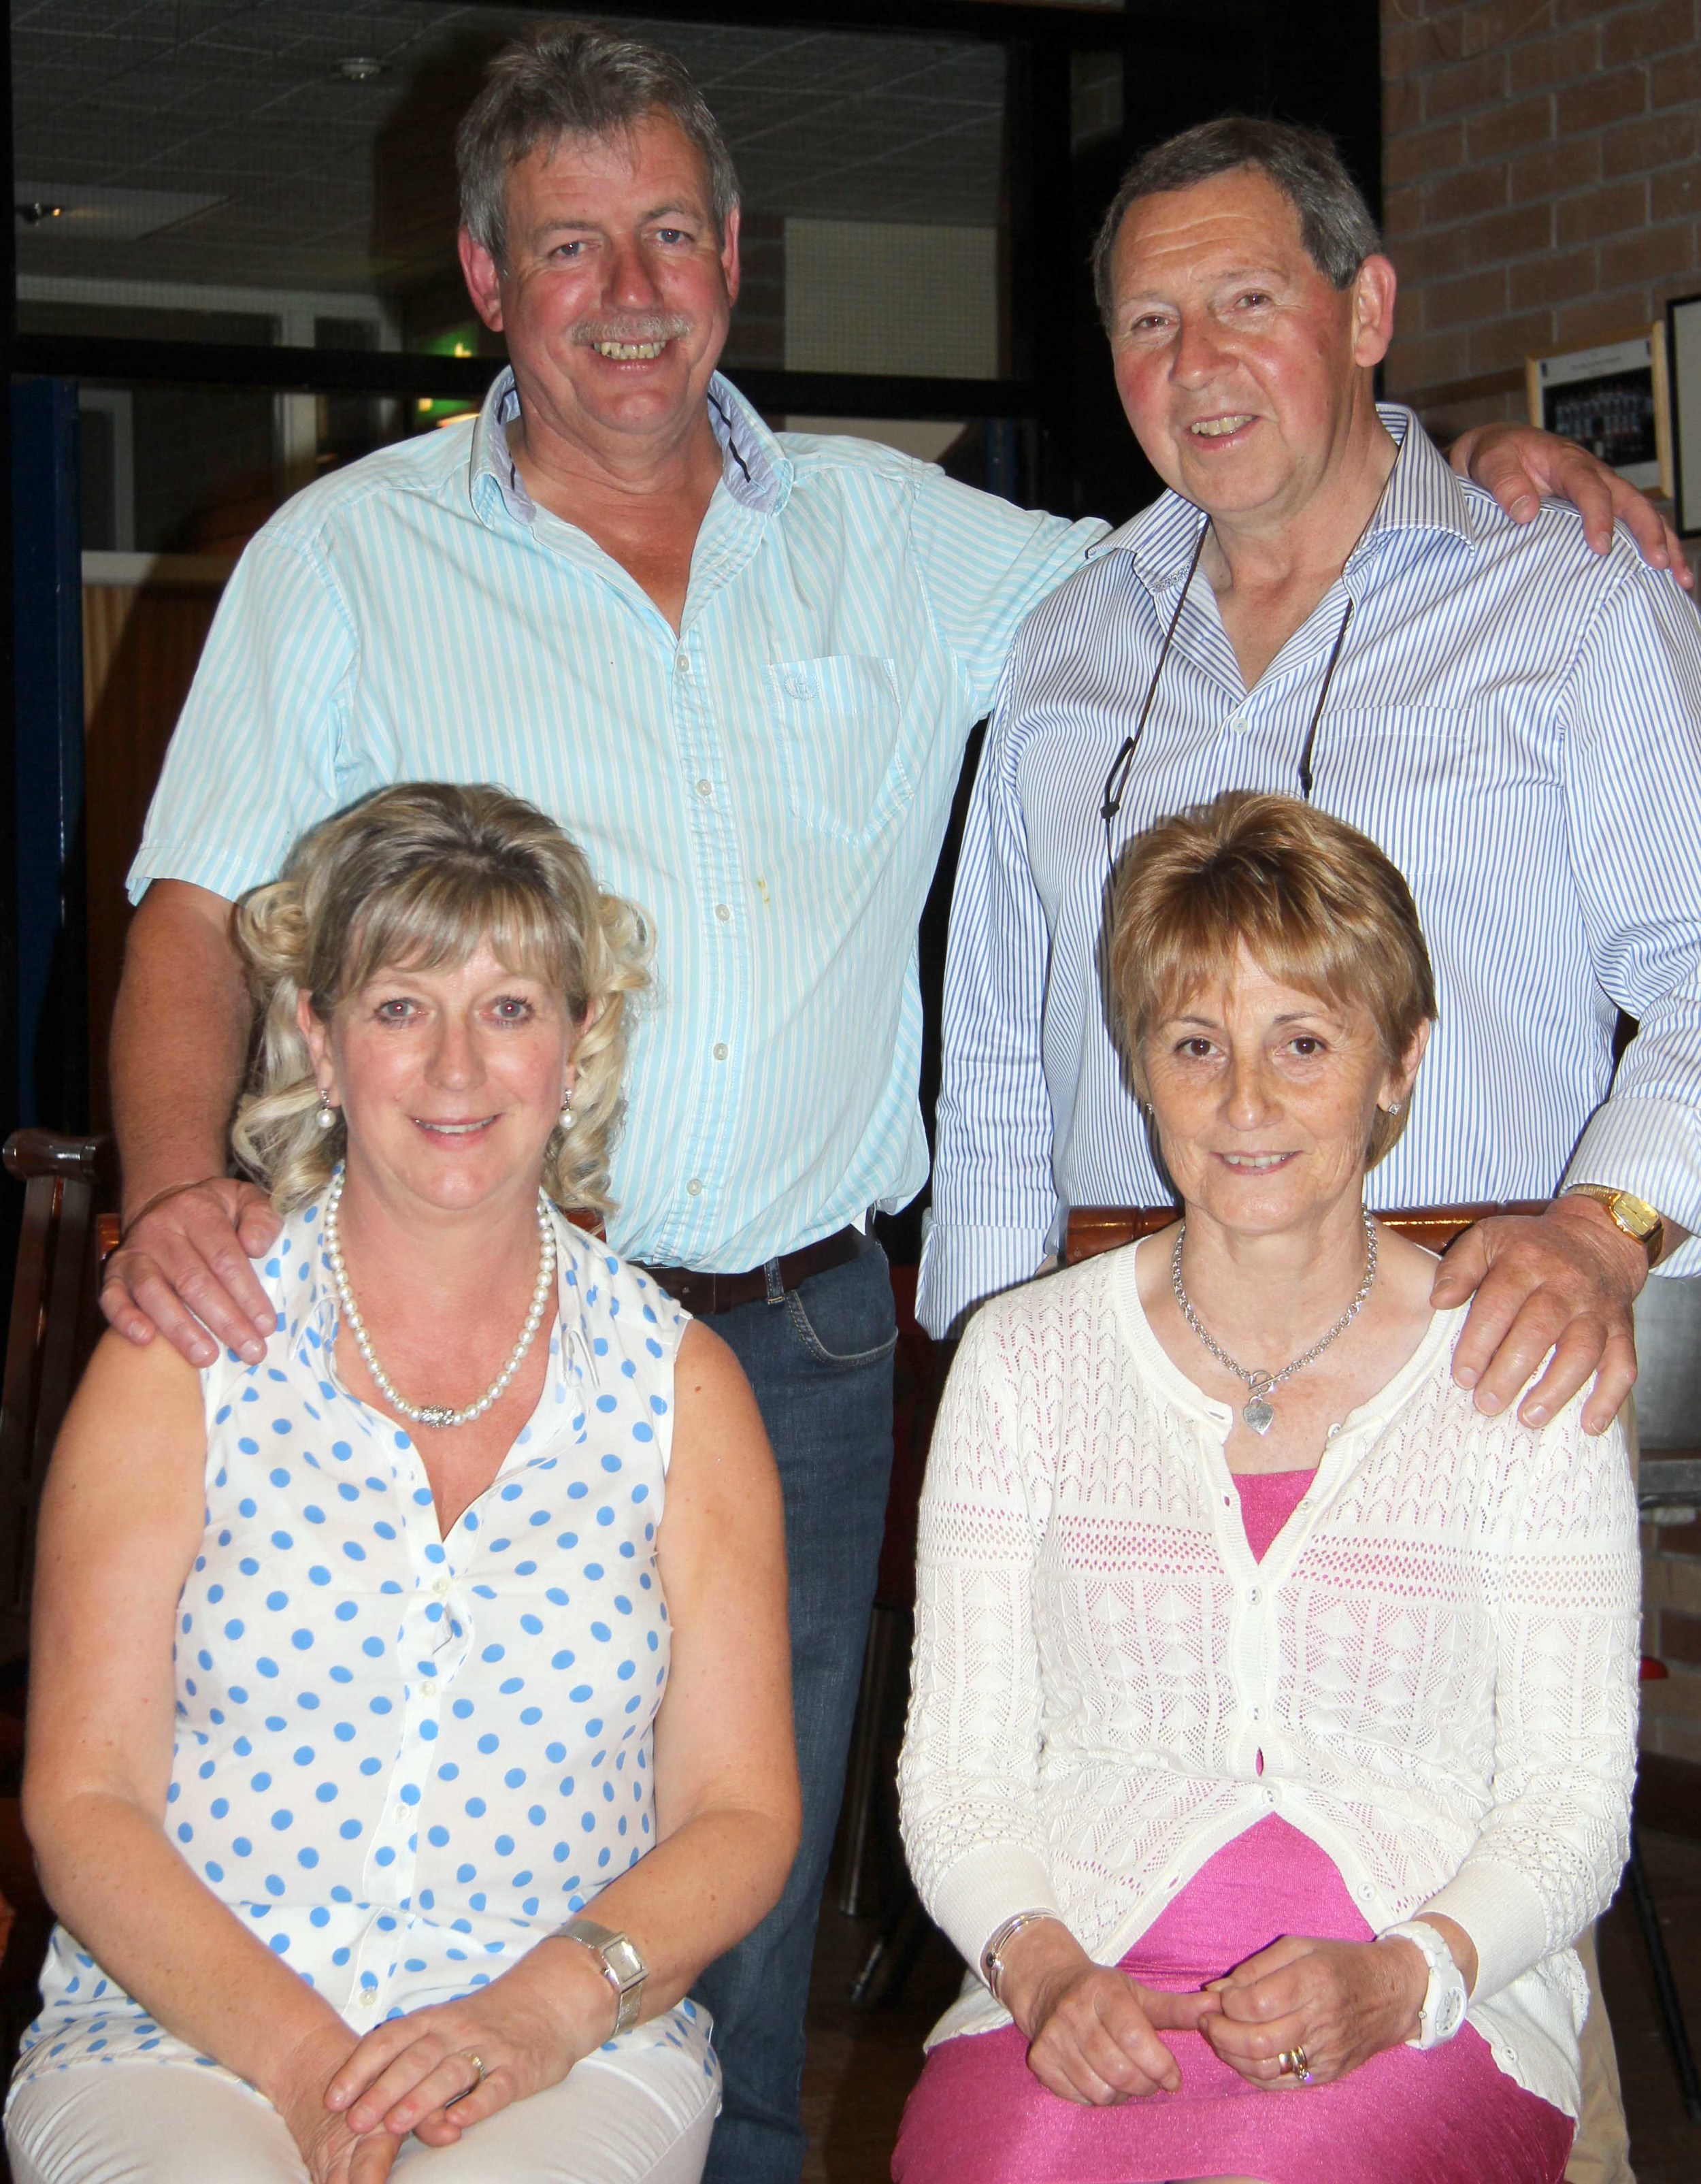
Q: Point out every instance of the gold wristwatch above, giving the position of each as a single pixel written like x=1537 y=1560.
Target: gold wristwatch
x=1634 y=1215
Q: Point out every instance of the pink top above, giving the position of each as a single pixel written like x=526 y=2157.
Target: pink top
x=1267 y=1500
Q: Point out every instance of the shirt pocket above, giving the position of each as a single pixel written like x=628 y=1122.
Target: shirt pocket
x=835 y=726
x=1411 y=777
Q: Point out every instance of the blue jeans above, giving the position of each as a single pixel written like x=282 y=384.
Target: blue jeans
x=820 y=1363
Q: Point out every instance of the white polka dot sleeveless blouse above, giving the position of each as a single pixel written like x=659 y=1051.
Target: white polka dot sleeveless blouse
x=401 y=1759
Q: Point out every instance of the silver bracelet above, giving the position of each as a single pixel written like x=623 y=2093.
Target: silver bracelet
x=991 y=1957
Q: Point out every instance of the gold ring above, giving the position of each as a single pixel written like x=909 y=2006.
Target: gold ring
x=466 y=2092
x=1293 y=2061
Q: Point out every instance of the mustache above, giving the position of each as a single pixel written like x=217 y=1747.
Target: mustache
x=641 y=326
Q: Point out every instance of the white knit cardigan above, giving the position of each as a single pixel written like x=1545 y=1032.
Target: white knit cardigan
x=1438 y=1658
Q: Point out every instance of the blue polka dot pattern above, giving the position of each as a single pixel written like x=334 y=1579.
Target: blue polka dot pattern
x=401 y=1759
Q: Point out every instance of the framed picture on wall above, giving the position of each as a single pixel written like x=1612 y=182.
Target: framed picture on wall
x=1683 y=327
x=1612 y=397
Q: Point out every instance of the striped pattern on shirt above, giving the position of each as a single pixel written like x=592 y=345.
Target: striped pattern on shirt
x=770 y=784
x=1515 y=720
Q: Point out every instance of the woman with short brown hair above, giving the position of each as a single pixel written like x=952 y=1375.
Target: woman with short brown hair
x=1274 y=1717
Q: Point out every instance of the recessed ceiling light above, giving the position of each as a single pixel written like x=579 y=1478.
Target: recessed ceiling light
x=360 y=68
x=67 y=212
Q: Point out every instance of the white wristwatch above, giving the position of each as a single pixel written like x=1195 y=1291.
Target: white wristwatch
x=617 y=1957
x=1444 y=1999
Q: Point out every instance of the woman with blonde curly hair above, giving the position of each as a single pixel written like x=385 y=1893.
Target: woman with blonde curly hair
x=363 y=1672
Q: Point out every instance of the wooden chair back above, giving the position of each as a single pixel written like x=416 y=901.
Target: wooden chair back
x=69 y=1186
x=1096 y=1228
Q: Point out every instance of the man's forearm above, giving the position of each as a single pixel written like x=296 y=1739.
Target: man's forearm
x=180 y=1039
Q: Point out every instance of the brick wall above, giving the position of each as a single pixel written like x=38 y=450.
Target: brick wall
x=1541 y=171
x=1543 y=176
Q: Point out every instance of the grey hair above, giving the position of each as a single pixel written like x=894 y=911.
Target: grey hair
x=1335 y=223
x=564 y=80
x=419 y=876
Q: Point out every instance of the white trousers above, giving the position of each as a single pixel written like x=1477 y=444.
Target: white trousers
x=611 y=2120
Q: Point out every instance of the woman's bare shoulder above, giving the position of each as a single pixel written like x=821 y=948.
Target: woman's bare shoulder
x=138 y=1407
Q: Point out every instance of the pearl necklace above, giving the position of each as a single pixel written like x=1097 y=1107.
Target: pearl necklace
x=1259 y=1412
x=438 y=1414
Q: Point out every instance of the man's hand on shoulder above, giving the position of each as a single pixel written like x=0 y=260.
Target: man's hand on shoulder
x=182 y=1271
x=1564 y=1281
x=1520 y=464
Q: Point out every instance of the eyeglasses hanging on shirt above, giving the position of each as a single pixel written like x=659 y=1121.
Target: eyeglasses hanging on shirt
x=1122 y=766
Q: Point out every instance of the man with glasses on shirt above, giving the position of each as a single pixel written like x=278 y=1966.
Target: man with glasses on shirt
x=1320 y=605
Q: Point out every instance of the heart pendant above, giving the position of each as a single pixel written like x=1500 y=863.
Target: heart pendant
x=1258 y=1415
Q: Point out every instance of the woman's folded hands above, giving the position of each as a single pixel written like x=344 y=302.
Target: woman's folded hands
x=437 y=2071
x=1093 y=2034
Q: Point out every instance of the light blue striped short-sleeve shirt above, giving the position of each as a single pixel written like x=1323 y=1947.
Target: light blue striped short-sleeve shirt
x=1515 y=720
x=770 y=784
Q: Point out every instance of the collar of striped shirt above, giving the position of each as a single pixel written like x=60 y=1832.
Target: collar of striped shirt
x=755 y=469
x=1423 y=493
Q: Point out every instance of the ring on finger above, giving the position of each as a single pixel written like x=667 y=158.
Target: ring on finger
x=466 y=2091
x=1293 y=2063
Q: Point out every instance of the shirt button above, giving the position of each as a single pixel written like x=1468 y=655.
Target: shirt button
x=1252 y=1596
x=442 y=1586
x=681 y=665
x=694 y=1187
x=1237 y=724
x=705 y=788
x=720 y=1050
x=722 y=912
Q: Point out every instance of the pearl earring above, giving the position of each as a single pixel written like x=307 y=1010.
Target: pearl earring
x=326 y=1115
x=567 y=1107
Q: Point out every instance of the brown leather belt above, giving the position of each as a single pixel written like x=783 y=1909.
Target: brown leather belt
x=704 y=1294
x=1096 y=1228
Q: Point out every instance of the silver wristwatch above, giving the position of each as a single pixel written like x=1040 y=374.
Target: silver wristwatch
x=618 y=1958
x=1444 y=1999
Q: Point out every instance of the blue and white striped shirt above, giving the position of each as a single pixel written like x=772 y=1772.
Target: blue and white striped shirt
x=770 y=784
x=1518 y=724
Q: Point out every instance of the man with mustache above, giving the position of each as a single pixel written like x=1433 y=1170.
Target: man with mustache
x=741 y=668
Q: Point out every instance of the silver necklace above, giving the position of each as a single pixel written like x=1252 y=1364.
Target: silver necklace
x=1259 y=1413
x=438 y=1414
